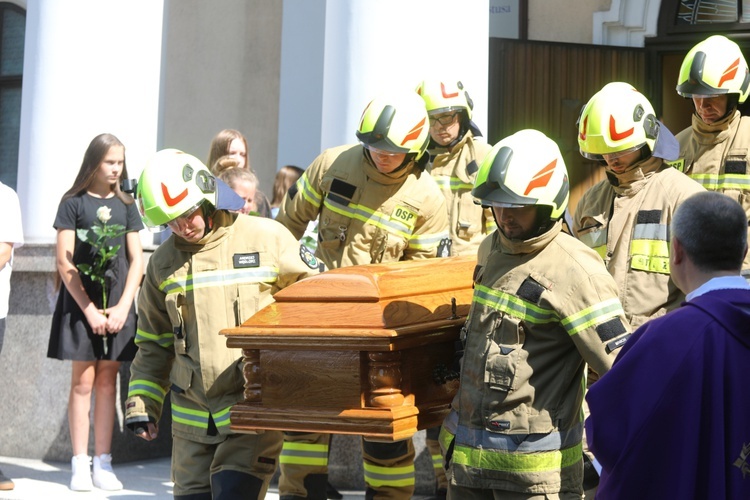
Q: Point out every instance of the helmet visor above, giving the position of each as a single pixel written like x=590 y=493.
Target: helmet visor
x=153 y=228
x=381 y=152
x=611 y=156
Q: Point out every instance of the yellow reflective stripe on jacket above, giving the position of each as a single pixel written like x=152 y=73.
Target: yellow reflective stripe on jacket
x=650 y=255
x=220 y=278
x=221 y=418
x=548 y=461
x=437 y=461
x=163 y=339
x=596 y=240
x=720 y=182
x=649 y=249
x=489 y=226
x=592 y=316
x=141 y=387
x=369 y=216
x=307 y=191
x=513 y=306
x=304 y=454
x=452 y=183
x=427 y=241
x=199 y=418
x=396 y=477
x=189 y=416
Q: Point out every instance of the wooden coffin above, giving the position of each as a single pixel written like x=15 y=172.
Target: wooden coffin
x=360 y=350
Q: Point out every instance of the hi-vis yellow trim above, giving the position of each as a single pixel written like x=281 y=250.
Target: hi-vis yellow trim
x=517 y=462
x=721 y=182
x=452 y=183
x=146 y=388
x=592 y=316
x=369 y=216
x=427 y=241
x=396 y=477
x=163 y=339
x=601 y=250
x=312 y=455
x=305 y=188
x=188 y=416
x=650 y=255
x=220 y=278
x=445 y=437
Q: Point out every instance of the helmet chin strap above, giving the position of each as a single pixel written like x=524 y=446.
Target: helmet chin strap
x=208 y=221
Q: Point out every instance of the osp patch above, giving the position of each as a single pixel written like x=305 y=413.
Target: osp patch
x=405 y=216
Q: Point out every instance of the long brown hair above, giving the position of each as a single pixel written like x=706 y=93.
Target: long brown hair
x=285 y=178
x=92 y=158
x=220 y=146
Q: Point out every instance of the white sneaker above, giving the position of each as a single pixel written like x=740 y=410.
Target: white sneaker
x=81 y=478
x=104 y=476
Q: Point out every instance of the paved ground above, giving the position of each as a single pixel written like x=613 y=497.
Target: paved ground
x=38 y=480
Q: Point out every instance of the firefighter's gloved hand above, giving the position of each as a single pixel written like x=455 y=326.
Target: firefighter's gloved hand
x=143 y=428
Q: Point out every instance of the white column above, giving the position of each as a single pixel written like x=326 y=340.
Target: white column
x=89 y=67
x=367 y=47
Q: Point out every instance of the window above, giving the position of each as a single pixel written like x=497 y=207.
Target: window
x=12 y=32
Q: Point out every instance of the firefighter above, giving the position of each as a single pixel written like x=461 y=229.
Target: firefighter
x=455 y=154
x=215 y=271
x=544 y=305
x=374 y=203
x=626 y=217
x=715 y=150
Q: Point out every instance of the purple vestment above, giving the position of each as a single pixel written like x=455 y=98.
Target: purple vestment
x=671 y=419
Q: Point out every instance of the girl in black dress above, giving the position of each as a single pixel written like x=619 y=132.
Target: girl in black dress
x=96 y=340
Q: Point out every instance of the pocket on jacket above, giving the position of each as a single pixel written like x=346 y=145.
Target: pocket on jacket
x=247 y=302
x=469 y=217
x=505 y=351
x=181 y=377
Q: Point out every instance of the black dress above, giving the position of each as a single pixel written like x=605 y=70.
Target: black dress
x=71 y=336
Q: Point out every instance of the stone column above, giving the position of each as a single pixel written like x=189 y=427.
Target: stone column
x=89 y=67
x=336 y=55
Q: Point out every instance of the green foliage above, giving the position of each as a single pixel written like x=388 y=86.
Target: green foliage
x=98 y=237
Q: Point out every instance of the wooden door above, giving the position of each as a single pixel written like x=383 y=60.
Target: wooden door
x=544 y=85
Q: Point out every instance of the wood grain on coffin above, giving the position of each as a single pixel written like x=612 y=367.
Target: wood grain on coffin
x=356 y=351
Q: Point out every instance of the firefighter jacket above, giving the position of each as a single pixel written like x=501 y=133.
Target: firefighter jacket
x=717 y=155
x=190 y=292
x=454 y=170
x=365 y=216
x=542 y=309
x=628 y=225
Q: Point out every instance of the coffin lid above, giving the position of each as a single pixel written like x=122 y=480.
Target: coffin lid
x=372 y=300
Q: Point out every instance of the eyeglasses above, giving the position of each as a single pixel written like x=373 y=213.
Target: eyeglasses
x=182 y=219
x=444 y=120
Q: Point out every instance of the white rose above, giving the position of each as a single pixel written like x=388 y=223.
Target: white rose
x=104 y=214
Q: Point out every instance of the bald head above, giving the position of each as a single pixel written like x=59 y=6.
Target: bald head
x=712 y=230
